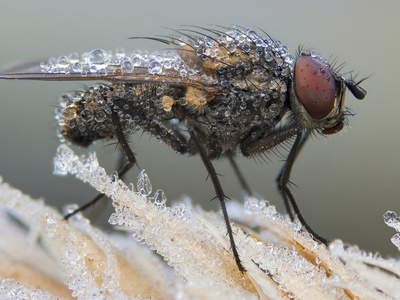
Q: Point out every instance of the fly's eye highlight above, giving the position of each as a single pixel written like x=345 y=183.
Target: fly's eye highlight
x=315 y=86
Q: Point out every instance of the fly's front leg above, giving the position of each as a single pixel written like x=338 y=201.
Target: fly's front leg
x=219 y=191
x=283 y=180
x=253 y=147
x=279 y=178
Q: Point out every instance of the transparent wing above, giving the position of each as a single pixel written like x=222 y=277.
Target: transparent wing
x=118 y=66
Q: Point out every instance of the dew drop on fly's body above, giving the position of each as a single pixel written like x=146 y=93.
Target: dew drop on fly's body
x=213 y=93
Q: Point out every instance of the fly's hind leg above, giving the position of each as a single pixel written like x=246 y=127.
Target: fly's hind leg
x=239 y=175
x=127 y=164
x=254 y=147
x=219 y=192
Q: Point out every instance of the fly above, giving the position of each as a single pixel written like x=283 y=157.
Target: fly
x=212 y=93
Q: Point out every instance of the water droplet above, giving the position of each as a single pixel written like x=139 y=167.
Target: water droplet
x=209 y=42
x=183 y=41
x=87 y=115
x=85 y=71
x=103 y=72
x=65 y=99
x=231 y=47
x=98 y=58
x=73 y=57
x=93 y=69
x=127 y=67
x=158 y=58
x=77 y=67
x=256 y=103
x=136 y=61
x=273 y=110
x=167 y=64
x=84 y=58
x=246 y=47
x=50 y=65
x=63 y=64
x=120 y=53
x=117 y=72
x=183 y=72
x=155 y=67
x=268 y=56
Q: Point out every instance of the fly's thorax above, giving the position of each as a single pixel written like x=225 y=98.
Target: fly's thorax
x=252 y=72
x=318 y=94
x=241 y=60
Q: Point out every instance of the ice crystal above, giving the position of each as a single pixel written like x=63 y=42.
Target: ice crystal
x=75 y=259
x=393 y=221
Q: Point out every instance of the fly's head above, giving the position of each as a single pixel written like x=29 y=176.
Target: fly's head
x=319 y=94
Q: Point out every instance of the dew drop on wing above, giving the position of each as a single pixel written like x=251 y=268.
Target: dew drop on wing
x=127 y=67
x=154 y=67
x=98 y=59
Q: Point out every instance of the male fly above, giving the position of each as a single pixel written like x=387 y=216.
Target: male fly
x=212 y=92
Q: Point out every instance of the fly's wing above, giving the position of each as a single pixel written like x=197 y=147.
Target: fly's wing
x=119 y=66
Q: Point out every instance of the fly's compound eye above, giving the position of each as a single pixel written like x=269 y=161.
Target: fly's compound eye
x=315 y=86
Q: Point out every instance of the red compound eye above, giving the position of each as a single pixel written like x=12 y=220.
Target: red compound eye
x=315 y=86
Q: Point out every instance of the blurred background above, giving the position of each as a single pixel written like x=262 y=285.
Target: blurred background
x=344 y=184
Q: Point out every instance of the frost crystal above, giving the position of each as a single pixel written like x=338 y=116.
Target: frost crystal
x=160 y=199
x=392 y=220
x=75 y=259
x=144 y=185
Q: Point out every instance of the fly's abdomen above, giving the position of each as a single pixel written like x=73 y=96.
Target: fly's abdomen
x=85 y=116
